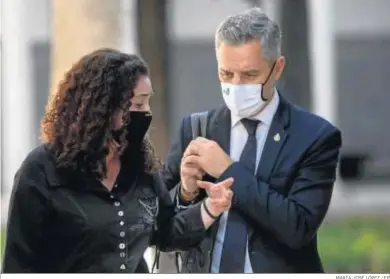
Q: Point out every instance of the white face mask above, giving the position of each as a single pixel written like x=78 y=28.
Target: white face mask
x=244 y=100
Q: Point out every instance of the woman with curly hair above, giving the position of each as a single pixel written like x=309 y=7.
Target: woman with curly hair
x=89 y=198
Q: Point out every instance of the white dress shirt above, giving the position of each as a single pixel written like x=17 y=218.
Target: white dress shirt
x=238 y=138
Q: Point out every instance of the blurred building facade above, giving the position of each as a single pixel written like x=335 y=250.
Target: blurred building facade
x=344 y=79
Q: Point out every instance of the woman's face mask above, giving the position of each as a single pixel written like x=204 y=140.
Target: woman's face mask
x=136 y=129
x=140 y=115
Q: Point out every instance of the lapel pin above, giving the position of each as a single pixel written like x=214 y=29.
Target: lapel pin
x=277 y=137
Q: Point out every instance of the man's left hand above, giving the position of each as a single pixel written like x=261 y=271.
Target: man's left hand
x=208 y=155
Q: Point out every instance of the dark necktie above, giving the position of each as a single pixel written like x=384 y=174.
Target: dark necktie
x=234 y=244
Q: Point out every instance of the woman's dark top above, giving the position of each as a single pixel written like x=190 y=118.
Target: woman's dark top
x=69 y=223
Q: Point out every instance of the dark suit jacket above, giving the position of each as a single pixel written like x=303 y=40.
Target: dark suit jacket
x=286 y=201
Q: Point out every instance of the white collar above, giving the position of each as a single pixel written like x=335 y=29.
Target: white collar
x=265 y=116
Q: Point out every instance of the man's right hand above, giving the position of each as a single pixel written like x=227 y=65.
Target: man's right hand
x=219 y=195
x=189 y=174
x=219 y=201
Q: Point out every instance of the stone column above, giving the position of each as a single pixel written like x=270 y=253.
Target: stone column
x=16 y=108
x=323 y=72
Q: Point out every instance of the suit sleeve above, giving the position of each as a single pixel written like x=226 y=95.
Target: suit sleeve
x=177 y=230
x=293 y=219
x=27 y=211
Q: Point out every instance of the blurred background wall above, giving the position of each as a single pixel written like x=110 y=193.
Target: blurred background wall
x=338 y=62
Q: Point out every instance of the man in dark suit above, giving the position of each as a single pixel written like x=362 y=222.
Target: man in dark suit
x=283 y=160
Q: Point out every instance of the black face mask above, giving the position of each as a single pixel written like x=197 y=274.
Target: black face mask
x=136 y=129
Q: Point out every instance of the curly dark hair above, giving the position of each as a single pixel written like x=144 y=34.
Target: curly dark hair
x=80 y=117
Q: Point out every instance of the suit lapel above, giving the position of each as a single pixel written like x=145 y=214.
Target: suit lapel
x=276 y=138
x=274 y=143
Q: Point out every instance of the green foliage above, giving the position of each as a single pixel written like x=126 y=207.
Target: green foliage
x=2 y=244
x=356 y=245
